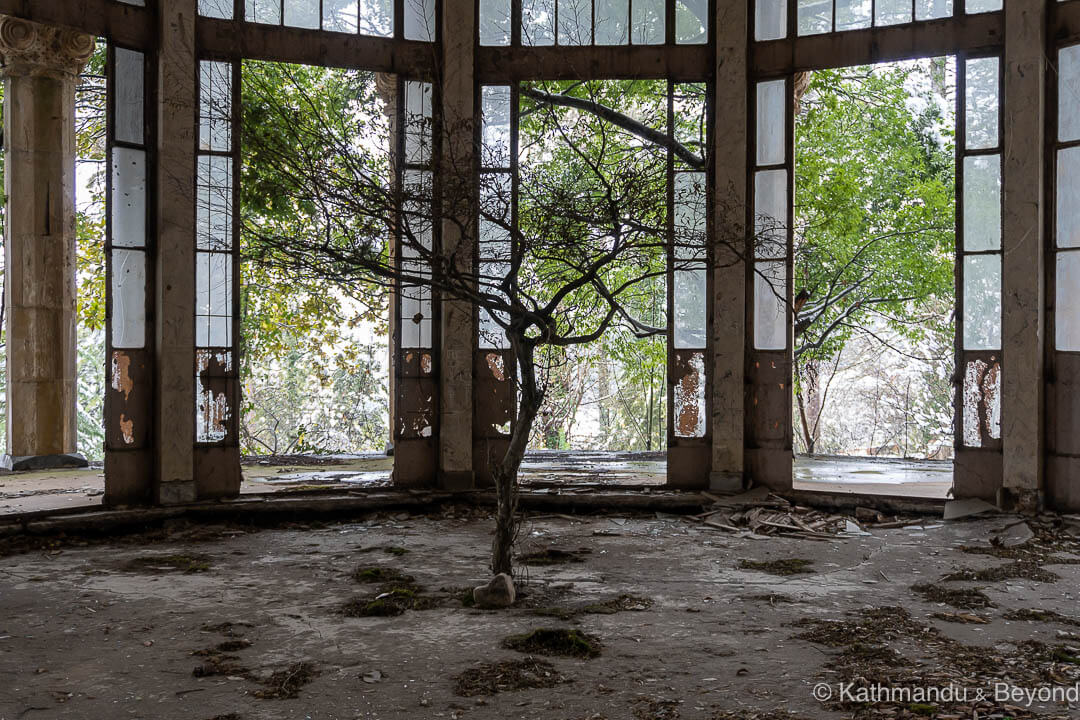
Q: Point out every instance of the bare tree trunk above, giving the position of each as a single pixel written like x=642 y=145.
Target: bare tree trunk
x=507 y=471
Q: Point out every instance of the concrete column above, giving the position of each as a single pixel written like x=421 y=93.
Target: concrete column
x=458 y=332
x=175 y=262
x=1022 y=301
x=730 y=136
x=41 y=68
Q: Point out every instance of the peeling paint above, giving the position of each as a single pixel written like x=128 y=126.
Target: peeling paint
x=690 y=398
x=982 y=402
x=121 y=378
x=425 y=363
x=497 y=365
x=127 y=429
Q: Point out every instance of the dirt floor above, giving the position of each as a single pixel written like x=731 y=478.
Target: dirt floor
x=674 y=620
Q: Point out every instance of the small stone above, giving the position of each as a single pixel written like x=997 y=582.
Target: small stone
x=499 y=593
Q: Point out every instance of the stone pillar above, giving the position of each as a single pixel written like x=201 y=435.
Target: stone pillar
x=175 y=266
x=41 y=65
x=458 y=332
x=730 y=133
x=1023 y=286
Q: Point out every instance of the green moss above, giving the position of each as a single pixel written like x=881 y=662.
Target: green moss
x=555 y=641
x=376 y=574
x=786 y=566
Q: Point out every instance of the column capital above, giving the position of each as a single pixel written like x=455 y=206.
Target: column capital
x=30 y=48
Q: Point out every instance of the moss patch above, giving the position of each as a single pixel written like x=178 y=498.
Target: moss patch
x=159 y=564
x=623 y=603
x=286 y=684
x=1026 y=569
x=1045 y=616
x=378 y=574
x=783 y=567
x=555 y=641
x=553 y=556
x=492 y=678
x=965 y=598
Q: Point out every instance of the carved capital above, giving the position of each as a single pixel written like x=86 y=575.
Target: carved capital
x=29 y=48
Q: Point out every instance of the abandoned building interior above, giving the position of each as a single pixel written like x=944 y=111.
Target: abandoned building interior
x=764 y=203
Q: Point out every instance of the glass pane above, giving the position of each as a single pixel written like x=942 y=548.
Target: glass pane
x=575 y=22
x=415 y=309
x=495 y=132
x=770 y=214
x=892 y=12
x=216 y=8
x=982 y=202
x=420 y=20
x=690 y=302
x=128 y=92
x=302 y=13
x=263 y=11
x=770 y=303
x=770 y=19
x=647 y=22
x=815 y=16
x=1069 y=93
x=128 y=297
x=494 y=22
x=982 y=302
x=1067 y=302
x=340 y=15
x=537 y=22
x=215 y=106
x=495 y=216
x=981 y=6
x=689 y=220
x=417 y=122
x=771 y=137
x=213 y=228
x=852 y=14
x=213 y=299
x=933 y=9
x=491 y=334
x=981 y=103
x=128 y=197
x=612 y=22
x=691 y=22
x=1068 y=191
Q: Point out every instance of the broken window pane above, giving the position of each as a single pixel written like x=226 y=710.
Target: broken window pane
x=1067 y=302
x=689 y=397
x=1068 y=190
x=215 y=106
x=340 y=15
x=892 y=12
x=933 y=9
x=982 y=302
x=690 y=298
x=853 y=14
x=377 y=18
x=302 y=14
x=981 y=103
x=982 y=402
x=771 y=137
x=213 y=229
x=770 y=19
x=538 y=22
x=212 y=412
x=495 y=130
x=647 y=22
x=612 y=22
x=127 y=293
x=128 y=91
x=770 y=216
x=263 y=11
x=213 y=299
x=128 y=197
x=216 y=8
x=982 y=202
x=494 y=22
x=770 y=305
x=980 y=6
x=1069 y=93
x=691 y=22
x=575 y=22
x=815 y=16
x=417 y=122
x=420 y=20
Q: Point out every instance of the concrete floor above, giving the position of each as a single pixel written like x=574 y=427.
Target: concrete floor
x=63 y=489
x=98 y=631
